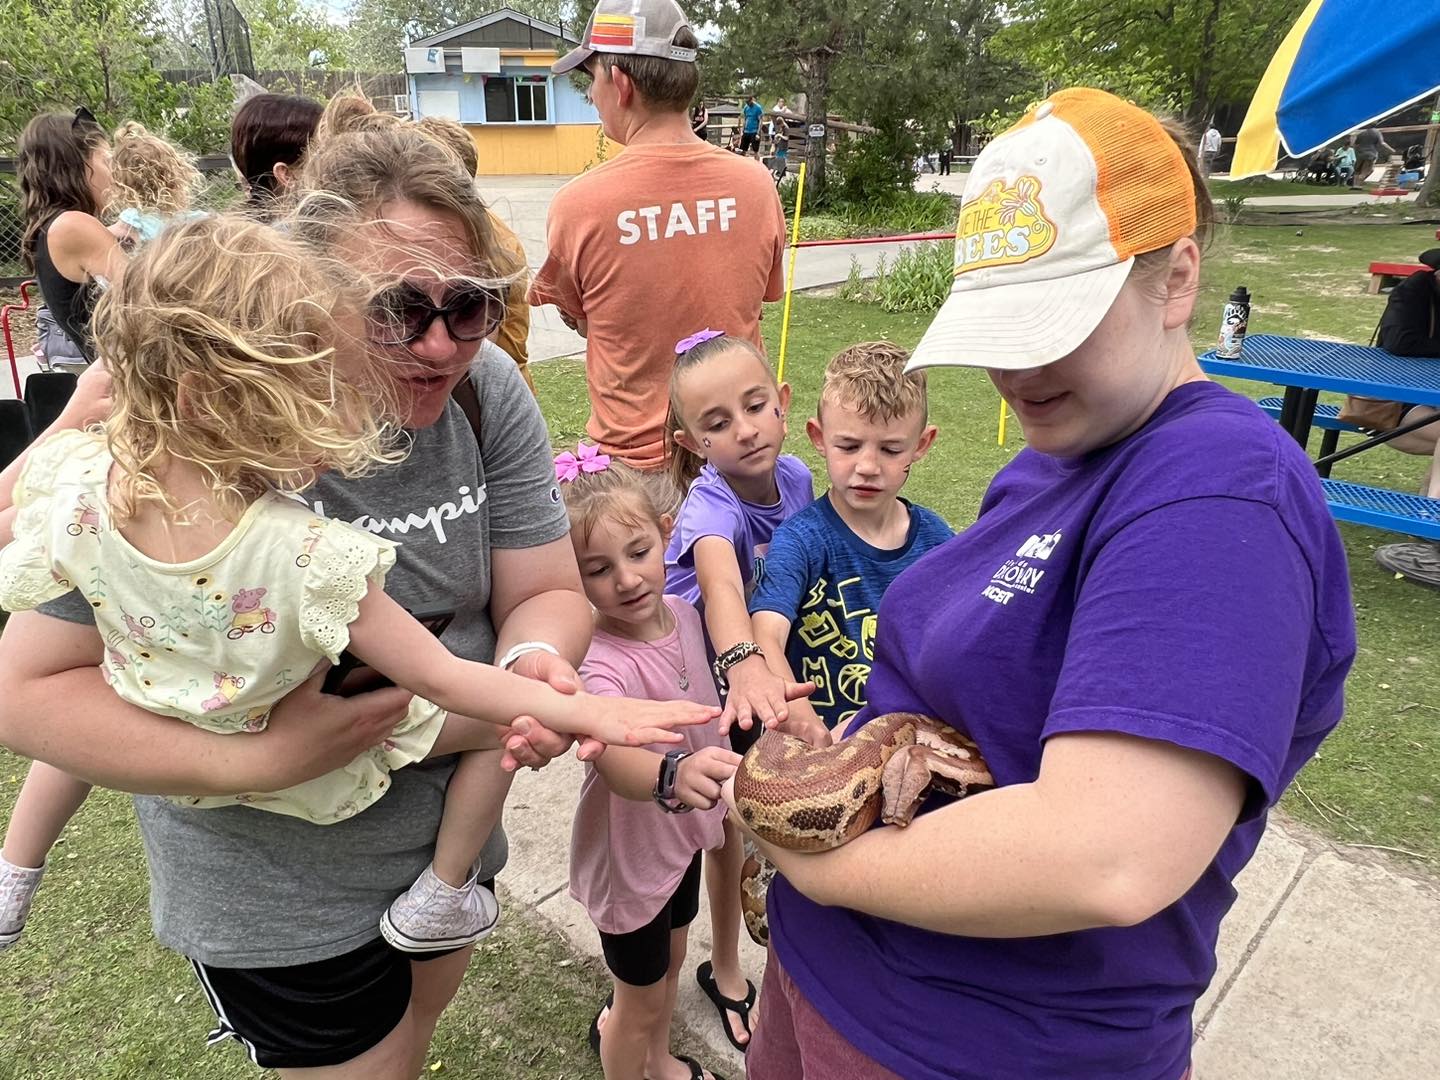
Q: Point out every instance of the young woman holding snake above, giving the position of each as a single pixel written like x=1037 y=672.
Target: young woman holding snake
x=1146 y=632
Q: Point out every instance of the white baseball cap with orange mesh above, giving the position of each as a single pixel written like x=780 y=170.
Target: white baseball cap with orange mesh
x=1054 y=213
x=631 y=28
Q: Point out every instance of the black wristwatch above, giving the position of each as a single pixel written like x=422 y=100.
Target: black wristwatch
x=732 y=656
x=664 y=793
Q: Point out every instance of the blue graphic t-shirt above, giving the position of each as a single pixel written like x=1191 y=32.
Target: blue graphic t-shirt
x=828 y=582
x=753 y=112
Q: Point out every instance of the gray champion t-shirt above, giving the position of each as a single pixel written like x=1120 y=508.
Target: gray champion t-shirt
x=239 y=887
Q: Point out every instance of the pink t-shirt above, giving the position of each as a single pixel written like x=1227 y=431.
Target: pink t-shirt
x=627 y=857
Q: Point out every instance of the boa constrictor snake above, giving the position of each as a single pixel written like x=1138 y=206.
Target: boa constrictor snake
x=808 y=798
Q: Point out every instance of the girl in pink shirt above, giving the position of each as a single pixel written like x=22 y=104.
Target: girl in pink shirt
x=645 y=813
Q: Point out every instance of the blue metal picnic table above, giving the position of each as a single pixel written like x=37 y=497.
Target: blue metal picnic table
x=1304 y=367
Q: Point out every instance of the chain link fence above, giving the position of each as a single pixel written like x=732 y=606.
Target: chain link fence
x=219 y=189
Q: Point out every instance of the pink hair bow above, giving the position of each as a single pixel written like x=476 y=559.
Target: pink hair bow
x=586 y=459
x=684 y=345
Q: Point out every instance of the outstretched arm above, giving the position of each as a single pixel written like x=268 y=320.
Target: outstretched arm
x=772 y=634
x=390 y=640
x=57 y=708
x=756 y=693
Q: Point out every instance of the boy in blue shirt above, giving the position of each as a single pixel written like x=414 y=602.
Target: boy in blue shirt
x=814 y=608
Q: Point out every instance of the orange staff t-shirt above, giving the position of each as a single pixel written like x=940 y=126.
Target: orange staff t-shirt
x=648 y=248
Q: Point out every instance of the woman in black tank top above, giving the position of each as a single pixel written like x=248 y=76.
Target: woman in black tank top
x=63 y=165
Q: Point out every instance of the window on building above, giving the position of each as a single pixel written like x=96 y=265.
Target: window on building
x=516 y=99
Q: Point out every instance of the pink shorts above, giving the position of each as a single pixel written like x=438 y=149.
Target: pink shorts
x=794 y=1042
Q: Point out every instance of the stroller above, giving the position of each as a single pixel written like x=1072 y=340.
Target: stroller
x=1321 y=169
x=1414 y=159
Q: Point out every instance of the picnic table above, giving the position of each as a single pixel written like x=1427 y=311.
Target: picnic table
x=1304 y=367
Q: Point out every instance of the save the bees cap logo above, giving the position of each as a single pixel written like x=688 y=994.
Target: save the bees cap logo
x=1003 y=226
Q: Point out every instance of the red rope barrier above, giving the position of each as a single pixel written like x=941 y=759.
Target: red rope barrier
x=878 y=239
x=24 y=305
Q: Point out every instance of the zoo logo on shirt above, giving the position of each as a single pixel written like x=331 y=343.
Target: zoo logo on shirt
x=1016 y=574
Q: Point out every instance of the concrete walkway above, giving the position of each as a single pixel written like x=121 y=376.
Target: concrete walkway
x=1327 y=964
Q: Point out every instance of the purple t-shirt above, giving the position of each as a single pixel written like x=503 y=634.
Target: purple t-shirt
x=1186 y=585
x=711 y=508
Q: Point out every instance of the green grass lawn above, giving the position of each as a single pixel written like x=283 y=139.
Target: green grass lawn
x=1266 y=186
x=89 y=994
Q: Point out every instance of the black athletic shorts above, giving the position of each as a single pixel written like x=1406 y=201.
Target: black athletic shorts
x=642 y=957
x=310 y=1015
x=749 y=141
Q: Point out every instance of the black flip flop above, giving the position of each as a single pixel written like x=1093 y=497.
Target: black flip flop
x=697 y=1072
x=595 y=1024
x=705 y=976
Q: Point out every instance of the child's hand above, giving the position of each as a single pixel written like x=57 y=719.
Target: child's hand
x=633 y=722
x=804 y=723
x=90 y=403
x=757 y=693
x=699 y=776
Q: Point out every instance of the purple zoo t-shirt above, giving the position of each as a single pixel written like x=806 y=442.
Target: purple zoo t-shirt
x=1185 y=585
x=711 y=508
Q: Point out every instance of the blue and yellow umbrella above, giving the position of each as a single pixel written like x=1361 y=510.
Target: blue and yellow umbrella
x=1344 y=64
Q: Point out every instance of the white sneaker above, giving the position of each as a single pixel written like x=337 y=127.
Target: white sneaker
x=431 y=915
x=17 y=892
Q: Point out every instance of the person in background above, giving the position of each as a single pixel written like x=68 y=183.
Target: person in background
x=268 y=138
x=1411 y=327
x=1369 y=145
x=782 y=147
x=947 y=154
x=1345 y=164
x=63 y=166
x=154 y=181
x=700 y=121
x=750 y=128
x=514 y=333
x=671 y=235
x=1209 y=149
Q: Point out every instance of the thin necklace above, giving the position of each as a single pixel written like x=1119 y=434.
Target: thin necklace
x=680 y=642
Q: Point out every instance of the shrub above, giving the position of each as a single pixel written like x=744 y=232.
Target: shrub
x=825 y=227
x=918 y=280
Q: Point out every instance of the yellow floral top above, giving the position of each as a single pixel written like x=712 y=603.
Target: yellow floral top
x=218 y=640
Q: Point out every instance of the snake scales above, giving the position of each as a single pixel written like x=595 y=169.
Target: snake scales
x=807 y=798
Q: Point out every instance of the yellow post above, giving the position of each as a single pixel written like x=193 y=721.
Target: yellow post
x=790 y=274
x=1000 y=438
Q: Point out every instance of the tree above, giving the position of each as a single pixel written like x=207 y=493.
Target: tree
x=1187 y=56
x=292 y=35
x=57 y=54
x=380 y=29
x=952 y=77
x=809 y=37
x=908 y=67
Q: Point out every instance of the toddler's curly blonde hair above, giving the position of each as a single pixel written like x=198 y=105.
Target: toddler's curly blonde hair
x=226 y=341
x=149 y=173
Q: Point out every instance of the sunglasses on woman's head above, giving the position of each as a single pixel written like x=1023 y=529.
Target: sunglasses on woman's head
x=403 y=314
